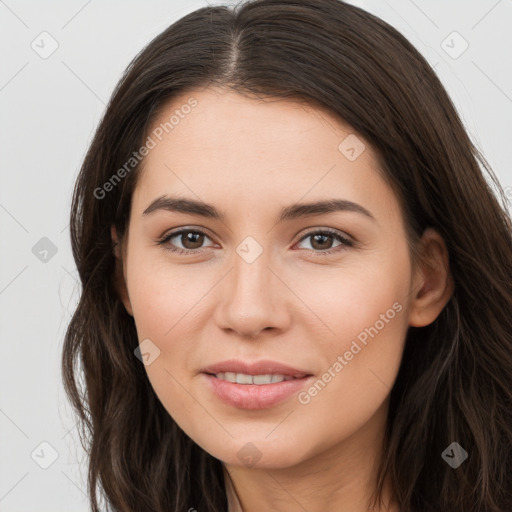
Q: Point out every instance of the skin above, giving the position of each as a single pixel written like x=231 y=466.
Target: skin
x=249 y=158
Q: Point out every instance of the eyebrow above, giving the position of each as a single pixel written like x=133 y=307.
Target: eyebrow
x=293 y=211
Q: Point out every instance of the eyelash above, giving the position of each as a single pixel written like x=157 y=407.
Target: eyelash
x=345 y=242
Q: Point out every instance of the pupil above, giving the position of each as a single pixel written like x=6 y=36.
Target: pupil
x=324 y=237
x=190 y=238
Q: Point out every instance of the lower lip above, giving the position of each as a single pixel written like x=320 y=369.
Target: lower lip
x=254 y=396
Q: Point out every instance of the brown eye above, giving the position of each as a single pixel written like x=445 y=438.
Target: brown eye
x=191 y=240
x=322 y=241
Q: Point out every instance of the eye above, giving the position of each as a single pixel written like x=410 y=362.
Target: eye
x=192 y=241
x=321 y=241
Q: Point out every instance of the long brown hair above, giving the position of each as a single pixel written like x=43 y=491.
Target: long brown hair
x=455 y=381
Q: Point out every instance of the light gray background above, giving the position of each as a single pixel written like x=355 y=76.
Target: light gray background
x=49 y=108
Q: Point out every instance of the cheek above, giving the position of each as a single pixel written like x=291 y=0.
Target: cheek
x=365 y=310
x=360 y=365
x=368 y=316
x=350 y=299
x=162 y=294
x=168 y=311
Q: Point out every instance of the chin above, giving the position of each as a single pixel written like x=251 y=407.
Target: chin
x=260 y=454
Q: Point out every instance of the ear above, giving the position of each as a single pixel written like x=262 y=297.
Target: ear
x=433 y=280
x=119 y=277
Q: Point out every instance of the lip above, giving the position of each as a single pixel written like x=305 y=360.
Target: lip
x=254 y=396
x=262 y=367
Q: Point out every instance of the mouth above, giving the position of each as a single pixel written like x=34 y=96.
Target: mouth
x=253 y=372
x=254 y=385
x=258 y=380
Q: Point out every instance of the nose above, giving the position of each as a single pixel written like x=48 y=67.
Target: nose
x=252 y=298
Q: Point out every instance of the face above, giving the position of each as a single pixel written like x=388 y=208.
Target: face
x=329 y=294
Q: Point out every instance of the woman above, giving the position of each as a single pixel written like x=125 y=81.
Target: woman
x=296 y=278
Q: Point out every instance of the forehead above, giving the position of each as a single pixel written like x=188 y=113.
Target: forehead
x=256 y=123
x=233 y=146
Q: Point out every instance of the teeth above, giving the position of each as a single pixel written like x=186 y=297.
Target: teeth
x=266 y=379
x=242 y=378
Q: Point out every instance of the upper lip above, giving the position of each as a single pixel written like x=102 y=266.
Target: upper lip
x=262 y=367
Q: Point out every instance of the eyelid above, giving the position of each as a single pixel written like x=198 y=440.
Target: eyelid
x=162 y=240
x=310 y=231
x=346 y=241
x=306 y=232
x=177 y=231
